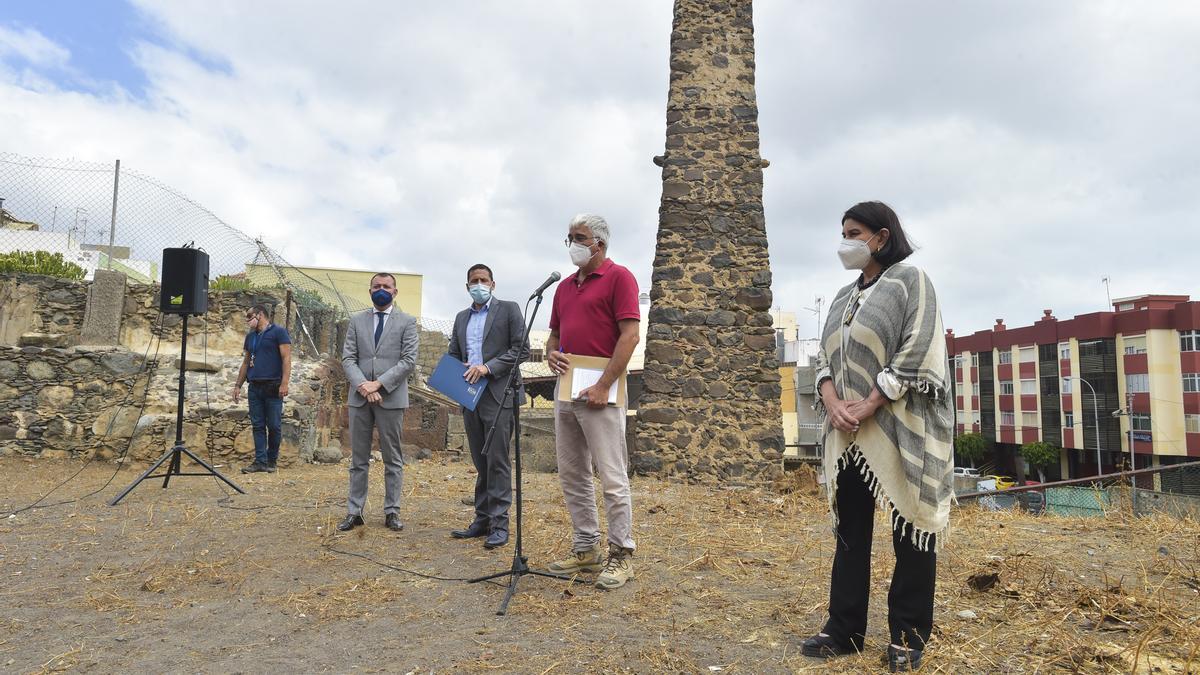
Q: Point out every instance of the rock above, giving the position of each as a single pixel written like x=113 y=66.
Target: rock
x=424 y=453
x=659 y=415
x=39 y=370
x=43 y=340
x=967 y=614
x=8 y=393
x=55 y=397
x=54 y=454
x=199 y=366
x=122 y=363
x=8 y=370
x=328 y=455
x=118 y=422
x=80 y=366
x=376 y=456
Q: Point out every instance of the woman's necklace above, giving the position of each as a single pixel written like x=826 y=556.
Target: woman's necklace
x=864 y=284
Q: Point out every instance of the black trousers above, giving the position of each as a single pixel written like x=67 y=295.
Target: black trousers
x=910 y=600
x=493 y=470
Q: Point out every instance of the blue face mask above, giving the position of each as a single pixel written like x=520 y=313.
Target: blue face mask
x=480 y=294
x=381 y=298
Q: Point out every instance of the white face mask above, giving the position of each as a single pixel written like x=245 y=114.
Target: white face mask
x=855 y=253
x=580 y=254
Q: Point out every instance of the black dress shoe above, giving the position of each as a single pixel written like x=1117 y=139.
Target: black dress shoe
x=825 y=646
x=392 y=522
x=496 y=539
x=475 y=530
x=903 y=660
x=349 y=523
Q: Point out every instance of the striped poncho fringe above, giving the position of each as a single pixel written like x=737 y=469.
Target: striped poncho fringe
x=905 y=452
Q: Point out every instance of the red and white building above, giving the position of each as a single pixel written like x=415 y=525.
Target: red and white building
x=1036 y=383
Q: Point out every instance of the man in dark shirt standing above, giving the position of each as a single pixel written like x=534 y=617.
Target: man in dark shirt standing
x=267 y=365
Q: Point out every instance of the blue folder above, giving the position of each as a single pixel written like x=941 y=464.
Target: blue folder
x=448 y=379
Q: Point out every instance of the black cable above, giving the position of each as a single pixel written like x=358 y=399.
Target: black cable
x=155 y=340
x=329 y=547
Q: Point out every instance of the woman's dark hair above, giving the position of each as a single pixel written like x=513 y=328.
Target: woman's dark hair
x=877 y=216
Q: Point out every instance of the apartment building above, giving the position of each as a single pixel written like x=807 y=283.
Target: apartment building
x=1100 y=381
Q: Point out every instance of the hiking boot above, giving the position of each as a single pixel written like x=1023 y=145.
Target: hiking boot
x=270 y=467
x=617 y=569
x=590 y=560
x=256 y=468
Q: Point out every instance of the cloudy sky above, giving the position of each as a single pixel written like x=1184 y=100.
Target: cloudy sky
x=1030 y=147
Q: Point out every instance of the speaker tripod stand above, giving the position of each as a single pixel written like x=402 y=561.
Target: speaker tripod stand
x=175 y=454
x=520 y=564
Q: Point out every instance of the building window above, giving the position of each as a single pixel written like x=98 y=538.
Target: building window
x=1191 y=423
x=1028 y=355
x=1191 y=382
x=1124 y=306
x=1006 y=388
x=1005 y=356
x=1067 y=387
x=1189 y=340
x=1138 y=383
x=1140 y=421
x=1069 y=420
x=1028 y=387
x=962 y=417
x=975 y=389
x=1007 y=419
x=974 y=360
x=1064 y=351
x=958 y=361
x=976 y=414
x=1029 y=419
x=1135 y=345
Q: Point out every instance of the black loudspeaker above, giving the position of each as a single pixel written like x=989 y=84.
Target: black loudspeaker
x=184 y=281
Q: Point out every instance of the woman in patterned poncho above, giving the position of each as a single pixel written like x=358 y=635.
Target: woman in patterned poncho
x=887 y=440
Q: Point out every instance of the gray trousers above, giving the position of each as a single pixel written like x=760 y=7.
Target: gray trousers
x=584 y=437
x=493 y=471
x=364 y=420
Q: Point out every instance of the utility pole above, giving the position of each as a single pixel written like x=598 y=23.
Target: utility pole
x=112 y=228
x=1107 y=295
x=1095 y=416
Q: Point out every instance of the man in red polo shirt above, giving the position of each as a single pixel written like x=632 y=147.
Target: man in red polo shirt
x=595 y=313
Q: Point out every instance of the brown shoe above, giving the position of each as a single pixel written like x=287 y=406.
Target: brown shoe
x=591 y=561
x=617 y=569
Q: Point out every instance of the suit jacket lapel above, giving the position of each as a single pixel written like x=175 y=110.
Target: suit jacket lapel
x=487 y=322
x=460 y=328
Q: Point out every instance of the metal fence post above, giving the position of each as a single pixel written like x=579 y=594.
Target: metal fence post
x=112 y=227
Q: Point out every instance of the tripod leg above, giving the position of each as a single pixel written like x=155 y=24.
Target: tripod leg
x=173 y=468
x=152 y=469
x=208 y=467
x=508 y=595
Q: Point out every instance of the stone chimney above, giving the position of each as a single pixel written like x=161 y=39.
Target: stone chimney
x=999 y=325
x=709 y=409
x=1047 y=315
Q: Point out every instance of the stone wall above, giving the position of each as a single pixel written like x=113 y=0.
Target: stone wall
x=31 y=303
x=710 y=407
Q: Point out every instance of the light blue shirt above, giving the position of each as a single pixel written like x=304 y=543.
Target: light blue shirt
x=475 y=326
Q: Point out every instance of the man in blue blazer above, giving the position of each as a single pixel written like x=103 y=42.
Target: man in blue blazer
x=379 y=354
x=489 y=338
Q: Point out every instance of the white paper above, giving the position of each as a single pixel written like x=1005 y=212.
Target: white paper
x=582 y=378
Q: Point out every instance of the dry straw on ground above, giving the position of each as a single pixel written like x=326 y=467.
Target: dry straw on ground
x=728 y=581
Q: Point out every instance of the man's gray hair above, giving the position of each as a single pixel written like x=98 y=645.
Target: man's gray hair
x=597 y=224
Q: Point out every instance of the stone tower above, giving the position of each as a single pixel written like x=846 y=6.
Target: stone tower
x=709 y=410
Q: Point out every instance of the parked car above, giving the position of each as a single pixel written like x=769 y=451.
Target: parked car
x=1003 y=482
x=966 y=471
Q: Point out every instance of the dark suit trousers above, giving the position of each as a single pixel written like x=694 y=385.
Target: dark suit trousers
x=910 y=600
x=493 y=477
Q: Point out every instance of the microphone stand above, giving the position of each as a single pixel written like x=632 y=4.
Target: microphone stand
x=520 y=564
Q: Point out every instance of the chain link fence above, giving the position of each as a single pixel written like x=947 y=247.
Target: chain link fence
x=1172 y=489
x=72 y=218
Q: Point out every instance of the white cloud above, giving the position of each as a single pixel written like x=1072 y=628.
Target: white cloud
x=1030 y=147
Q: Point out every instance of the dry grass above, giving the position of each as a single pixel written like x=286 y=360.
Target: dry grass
x=728 y=581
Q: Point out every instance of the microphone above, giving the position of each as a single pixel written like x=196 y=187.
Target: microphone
x=554 y=276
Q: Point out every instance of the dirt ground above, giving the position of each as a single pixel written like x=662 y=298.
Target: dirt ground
x=728 y=581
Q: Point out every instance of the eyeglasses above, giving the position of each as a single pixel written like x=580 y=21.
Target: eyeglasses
x=578 y=239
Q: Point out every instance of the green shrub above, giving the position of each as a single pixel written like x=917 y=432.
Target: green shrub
x=230 y=282
x=1040 y=454
x=41 y=262
x=970 y=447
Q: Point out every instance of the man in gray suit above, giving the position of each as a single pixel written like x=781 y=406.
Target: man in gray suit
x=489 y=338
x=379 y=354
